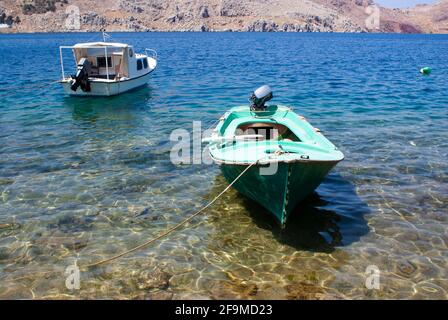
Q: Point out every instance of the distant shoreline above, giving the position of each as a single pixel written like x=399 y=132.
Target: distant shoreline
x=218 y=31
x=311 y=16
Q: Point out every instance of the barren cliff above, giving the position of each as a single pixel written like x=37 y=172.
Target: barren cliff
x=219 y=15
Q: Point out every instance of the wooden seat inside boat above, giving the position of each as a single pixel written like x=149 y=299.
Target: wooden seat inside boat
x=270 y=131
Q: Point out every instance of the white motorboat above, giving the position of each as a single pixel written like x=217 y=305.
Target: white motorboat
x=107 y=68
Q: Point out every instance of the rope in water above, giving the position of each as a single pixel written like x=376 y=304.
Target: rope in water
x=152 y=240
x=163 y=234
x=177 y=226
x=27 y=86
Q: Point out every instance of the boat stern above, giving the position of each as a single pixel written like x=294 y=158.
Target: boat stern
x=278 y=189
x=266 y=189
x=97 y=88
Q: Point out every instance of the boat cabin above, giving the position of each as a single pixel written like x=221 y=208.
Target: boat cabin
x=108 y=60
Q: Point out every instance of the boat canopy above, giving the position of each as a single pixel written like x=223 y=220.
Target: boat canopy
x=118 y=53
x=100 y=45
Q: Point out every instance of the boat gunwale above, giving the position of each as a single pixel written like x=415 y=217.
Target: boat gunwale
x=272 y=119
x=100 y=80
x=269 y=161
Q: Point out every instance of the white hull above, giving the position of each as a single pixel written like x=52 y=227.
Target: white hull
x=103 y=87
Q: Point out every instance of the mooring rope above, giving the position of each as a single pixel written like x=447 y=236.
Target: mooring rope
x=152 y=240
x=27 y=86
x=168 y=231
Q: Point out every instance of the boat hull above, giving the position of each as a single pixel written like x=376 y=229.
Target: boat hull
x=107 y=88
x=280 y=192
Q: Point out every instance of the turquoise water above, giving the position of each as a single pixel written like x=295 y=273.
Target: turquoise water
x=82 y=179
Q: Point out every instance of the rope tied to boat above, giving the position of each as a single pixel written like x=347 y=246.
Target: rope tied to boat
x=152 y=240
x=39 y=85
x=279 y=151
x=173 y=228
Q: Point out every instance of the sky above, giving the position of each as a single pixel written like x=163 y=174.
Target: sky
x=402 y=3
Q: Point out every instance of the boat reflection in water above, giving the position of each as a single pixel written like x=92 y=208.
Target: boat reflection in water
x=125 y=106
x=321 y=222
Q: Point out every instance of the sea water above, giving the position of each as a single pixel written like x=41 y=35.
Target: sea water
x=82 y=179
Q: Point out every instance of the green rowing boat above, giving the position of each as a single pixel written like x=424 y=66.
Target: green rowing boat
x=283 y=157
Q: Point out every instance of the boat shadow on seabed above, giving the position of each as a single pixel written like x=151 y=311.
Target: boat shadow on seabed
x=89 y=109
x=333 y=216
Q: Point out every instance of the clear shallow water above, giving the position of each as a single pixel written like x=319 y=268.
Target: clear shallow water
x=86 y=178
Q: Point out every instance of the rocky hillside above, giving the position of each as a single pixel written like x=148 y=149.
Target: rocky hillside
x=432 y=18
x=218 y=15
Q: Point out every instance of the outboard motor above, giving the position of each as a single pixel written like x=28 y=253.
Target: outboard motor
x=82 y=76
x=260 y=97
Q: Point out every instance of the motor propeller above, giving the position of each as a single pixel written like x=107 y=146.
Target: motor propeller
x=81 y=79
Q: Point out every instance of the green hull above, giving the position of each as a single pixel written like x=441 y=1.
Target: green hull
x=300 y=153
x=281 y=192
